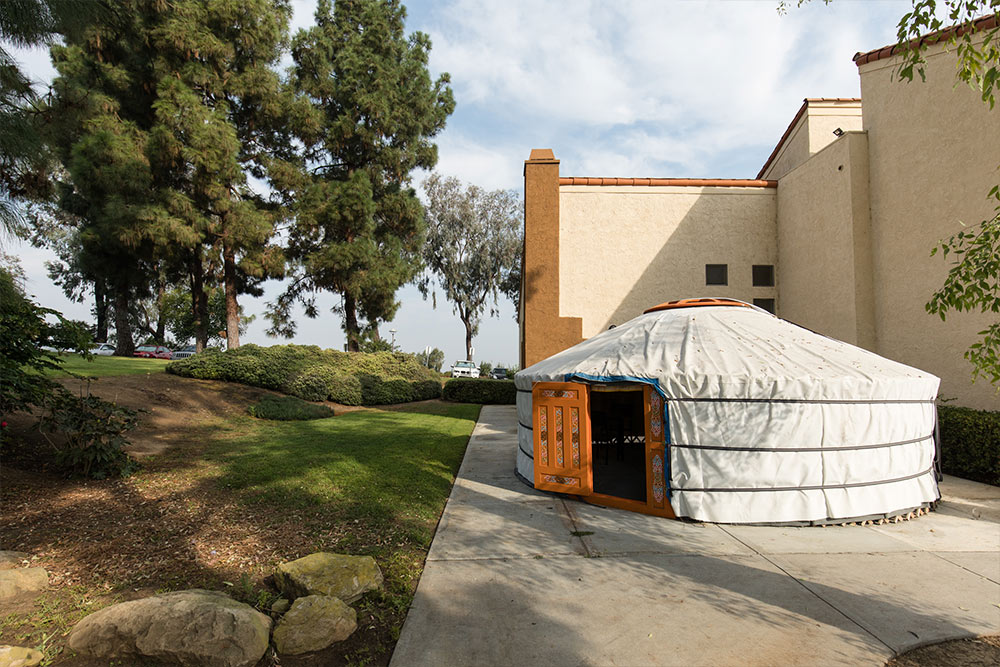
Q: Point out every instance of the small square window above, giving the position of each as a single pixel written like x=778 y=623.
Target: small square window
x=716 y=274
x=766 y=304
x=763 y=275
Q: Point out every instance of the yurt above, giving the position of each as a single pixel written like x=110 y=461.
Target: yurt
x=716 y=410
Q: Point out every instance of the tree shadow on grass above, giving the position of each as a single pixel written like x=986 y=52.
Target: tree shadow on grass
x=221 y=511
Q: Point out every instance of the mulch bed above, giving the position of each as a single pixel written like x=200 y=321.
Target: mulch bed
x=170 y=527
x=971 y=652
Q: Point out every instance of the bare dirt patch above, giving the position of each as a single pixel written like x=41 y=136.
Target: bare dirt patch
x=174 y=404
x=970 y=652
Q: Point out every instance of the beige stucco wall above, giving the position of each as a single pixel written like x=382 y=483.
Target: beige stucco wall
x=827 y=116
x=824 y=256
x=625 y=248
x=812 y=133
x=793 y=152
x=934 y=150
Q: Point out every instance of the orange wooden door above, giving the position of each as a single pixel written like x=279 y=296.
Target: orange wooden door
x=656 y=461
x=561 y=428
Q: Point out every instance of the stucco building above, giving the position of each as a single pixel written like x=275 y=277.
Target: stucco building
x=834 y=233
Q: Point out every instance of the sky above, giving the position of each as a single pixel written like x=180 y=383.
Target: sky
x=626 y=88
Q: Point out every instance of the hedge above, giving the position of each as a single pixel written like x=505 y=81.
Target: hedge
x=480 y=390
x=314 y=374
x=970 y=443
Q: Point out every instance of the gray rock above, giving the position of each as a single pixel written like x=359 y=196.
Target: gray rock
x=194 y=628
x=280 y=606
x=23 y=582
x=19 y=656
x=322 y=573
x=12 y=559
x=313 y=623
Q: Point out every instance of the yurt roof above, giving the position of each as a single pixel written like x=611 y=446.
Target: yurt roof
x=719 y=350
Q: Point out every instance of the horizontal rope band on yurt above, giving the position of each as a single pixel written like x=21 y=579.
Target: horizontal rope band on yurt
x=530 y=456
x=525 y=426
x=825 y=487
x=720 y=448
x=825 y=401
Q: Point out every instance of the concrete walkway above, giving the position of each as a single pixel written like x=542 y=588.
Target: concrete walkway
x=517 y=577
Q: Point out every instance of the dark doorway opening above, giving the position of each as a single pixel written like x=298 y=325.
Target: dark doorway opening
x=618 y=434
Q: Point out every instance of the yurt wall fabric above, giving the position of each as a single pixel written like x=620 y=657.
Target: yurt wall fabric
x=767 y=421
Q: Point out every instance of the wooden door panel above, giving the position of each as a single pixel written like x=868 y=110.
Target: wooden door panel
x=656 y=463
x=561 y=431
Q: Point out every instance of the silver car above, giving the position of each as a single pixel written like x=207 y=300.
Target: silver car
x=183 y=353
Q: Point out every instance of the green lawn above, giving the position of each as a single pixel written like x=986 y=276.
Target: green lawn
x=389 y=470
x=109 y=366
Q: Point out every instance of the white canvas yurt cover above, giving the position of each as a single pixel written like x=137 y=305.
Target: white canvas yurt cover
x=748 y=419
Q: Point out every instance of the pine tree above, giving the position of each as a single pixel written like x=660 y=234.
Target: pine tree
x=183 y=99
x=365 y=113
x=99 y=118
x=218 y=102
x=22 y=151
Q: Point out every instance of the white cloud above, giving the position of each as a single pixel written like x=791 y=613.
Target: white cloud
x=625 y=81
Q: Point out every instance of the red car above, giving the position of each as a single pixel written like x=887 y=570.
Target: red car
x=152 y=352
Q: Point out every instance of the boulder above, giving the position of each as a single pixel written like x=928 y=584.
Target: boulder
x=280 y=606
x=336 y=575
x=194 y=627
x=19 y=656
x=12 y=559
x=22 y=582
x=313 y=623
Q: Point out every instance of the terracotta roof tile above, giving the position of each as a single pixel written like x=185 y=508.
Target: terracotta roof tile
x=694 y=182
x=987 y=22
x=798 y=114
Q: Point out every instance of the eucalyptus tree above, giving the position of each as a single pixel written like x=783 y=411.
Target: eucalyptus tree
x=474 y=240
x=365 y=113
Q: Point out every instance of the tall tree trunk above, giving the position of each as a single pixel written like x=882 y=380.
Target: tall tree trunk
x=101 y=307
x=199 y=302
x=232 y=305
x=161 y=317
x=468 y=337
x=351 y=324
x=123 y=331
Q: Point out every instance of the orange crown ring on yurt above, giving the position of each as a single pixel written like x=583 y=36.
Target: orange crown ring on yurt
x=689 y=303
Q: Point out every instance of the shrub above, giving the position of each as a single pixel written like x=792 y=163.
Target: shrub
x=345 y=389
x=424 y=390
x=970 y=443
x=288 y=408
x=89 y=434
x=312 y=384
x=207 y=365
x=314 y=374
x=378 y=391
x=481 y=390
x=23 y=362
x=246 y=370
